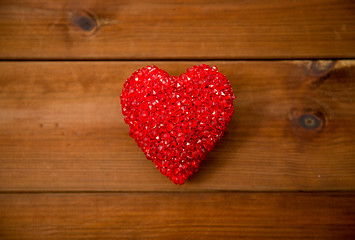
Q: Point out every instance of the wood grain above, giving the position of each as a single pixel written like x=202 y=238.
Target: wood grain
x=178 y=216
x=69 y=170
x=61 y=129
x=182 y=29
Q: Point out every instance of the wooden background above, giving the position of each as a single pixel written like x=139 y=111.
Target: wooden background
x=284 y=169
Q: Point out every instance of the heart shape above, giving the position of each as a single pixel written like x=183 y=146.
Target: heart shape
x=176 y=121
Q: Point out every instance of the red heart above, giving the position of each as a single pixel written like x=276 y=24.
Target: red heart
x=176 y=121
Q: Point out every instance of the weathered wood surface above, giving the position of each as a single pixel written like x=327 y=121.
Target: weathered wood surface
x=61 y=129
x=177 y=216
x=182 y=29
x=69 y=170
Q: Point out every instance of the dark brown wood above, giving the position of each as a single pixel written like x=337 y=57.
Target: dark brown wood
x=69 y=170
x=178 y=216
x=182 y=29
x=61 y=129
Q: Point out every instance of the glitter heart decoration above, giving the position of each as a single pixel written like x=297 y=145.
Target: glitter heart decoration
x=176 y=121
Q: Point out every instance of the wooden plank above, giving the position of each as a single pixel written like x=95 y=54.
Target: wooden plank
x=182 y=29
x=178 y=216
x=61 y=128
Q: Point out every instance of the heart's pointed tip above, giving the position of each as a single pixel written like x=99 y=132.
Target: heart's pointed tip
x=181 y=182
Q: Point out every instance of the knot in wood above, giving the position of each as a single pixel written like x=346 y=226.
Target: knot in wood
x=86 y=21
x=306 y=122
x=309 y=121
x=321 y=68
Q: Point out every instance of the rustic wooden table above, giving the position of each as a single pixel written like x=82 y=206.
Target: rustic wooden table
x=284 y=169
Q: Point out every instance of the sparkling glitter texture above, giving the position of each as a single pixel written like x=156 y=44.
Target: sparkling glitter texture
x=176 y=121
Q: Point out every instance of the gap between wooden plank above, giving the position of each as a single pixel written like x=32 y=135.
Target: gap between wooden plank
x=201 y=60
x=168 y=191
